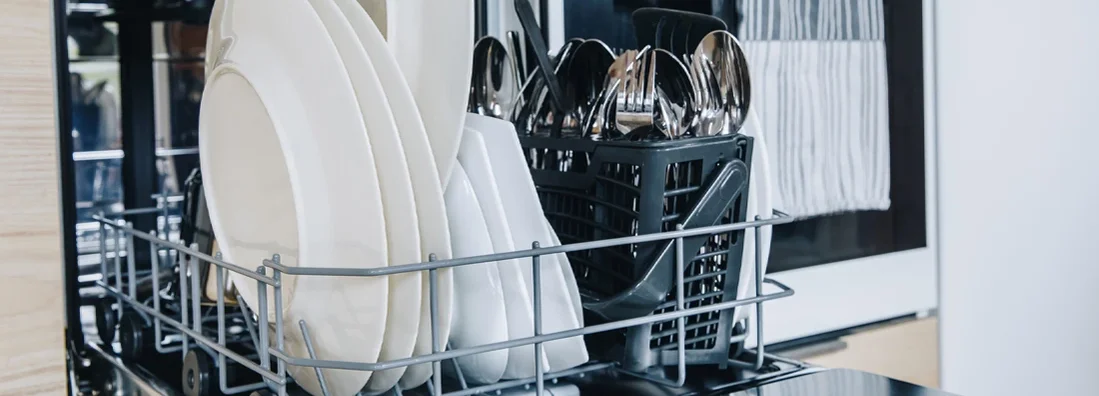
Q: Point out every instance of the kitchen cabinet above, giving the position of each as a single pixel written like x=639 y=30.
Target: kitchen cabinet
x=32 y=353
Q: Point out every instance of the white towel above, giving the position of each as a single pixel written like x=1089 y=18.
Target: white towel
x=819 y=86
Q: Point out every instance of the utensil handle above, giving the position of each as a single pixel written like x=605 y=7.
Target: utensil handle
x=516 y=50
x=530 y=25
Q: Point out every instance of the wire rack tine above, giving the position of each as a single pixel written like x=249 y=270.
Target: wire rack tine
x=154 y=263
x=280 y=340
x=223 y=382
x=539 y=370
x=184 y=305
x=313 y=355
x=131 y=267
x=261 y=330
x=458 y=372
x=759 y=292
x=436 y=367
x=117 y=236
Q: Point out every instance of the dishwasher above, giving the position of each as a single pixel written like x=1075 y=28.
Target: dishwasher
x=148 y=287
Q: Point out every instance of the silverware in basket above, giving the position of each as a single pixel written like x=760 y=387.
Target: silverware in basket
x=723 y=70
x=634 y=104
x=494 y=82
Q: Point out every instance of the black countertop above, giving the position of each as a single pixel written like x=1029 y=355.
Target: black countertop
x=838 y=382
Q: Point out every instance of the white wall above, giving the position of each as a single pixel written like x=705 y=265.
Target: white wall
x=1018 y=133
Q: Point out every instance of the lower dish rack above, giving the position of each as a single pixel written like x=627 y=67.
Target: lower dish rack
x=223 y=348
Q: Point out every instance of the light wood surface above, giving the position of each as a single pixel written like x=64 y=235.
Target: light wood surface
x=32 y=354
x=907 y=351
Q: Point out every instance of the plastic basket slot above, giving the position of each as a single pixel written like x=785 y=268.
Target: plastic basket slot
x=618 y=182
x=681 y=191
x=607 y=271
x=693 y=299
x=693 y=343
x=691 y=327
x=709 y=255
x=594 y=201
x=573 y=219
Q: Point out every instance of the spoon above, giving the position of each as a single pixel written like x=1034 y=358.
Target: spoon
x=538 y=112
x=720 y=57
x=583 y=82
x=675 y=95
x=493 y=86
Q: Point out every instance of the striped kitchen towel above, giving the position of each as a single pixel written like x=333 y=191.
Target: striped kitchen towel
x=819 y=85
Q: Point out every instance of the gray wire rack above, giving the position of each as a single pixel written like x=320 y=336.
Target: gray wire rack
x=270 y=272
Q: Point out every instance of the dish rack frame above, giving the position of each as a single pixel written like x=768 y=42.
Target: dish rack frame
x=191 y=321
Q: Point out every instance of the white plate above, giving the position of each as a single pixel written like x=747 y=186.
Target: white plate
x=382 y=13
x=280 y=137
x=401 y=225
x=426 y=187
x=473 y=158
x=527 y=223
x=480 y=316
x=433 y=42
x=760 y=202
x=570 y=277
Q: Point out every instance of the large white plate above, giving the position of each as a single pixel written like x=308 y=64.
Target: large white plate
x=401 y=225
x=426 y=187
x=280 y=137
x=473 y=158
x=527 y=223
x=760 y=203
x=382 y=13
x=480 y=316
x=433 y=42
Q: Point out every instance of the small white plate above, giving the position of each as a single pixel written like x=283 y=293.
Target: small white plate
x=426 y=187
x=473 y=158
x=401 y=225
x=433 y=42
x=280 y=137
x=527 y=223
x=570 y=277
x=480 y=316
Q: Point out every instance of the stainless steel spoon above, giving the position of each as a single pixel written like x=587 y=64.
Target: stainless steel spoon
x=675 y=95
x=535 y=93
x=583 y=83
x=493 y=86
x=721 y=58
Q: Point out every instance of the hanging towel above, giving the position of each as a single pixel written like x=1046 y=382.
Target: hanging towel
x=819 y=85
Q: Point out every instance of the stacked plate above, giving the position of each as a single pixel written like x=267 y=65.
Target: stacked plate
x=334 y=143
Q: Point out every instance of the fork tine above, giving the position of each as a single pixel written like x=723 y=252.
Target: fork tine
x=638 y=84
x=700 y=84
x=631 y=83
x=651 y=91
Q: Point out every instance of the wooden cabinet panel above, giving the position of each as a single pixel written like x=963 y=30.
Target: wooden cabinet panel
x=32 y=354
x=908 y=351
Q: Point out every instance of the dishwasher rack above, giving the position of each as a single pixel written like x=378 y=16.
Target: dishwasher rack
x=268 y=359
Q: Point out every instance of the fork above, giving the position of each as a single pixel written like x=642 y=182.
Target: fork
x=712 y=117
x=635 y=101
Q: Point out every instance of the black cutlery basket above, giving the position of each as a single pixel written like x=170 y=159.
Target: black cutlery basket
x=593 y=190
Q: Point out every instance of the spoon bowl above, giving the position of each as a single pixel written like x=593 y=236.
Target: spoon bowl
x=493 y=85
x=723 y=67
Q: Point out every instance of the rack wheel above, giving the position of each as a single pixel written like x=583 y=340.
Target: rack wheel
x=134 y=336
x=106 y=318
x=200 y=376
